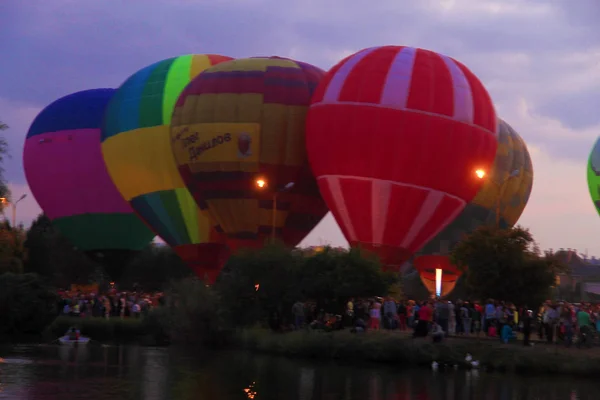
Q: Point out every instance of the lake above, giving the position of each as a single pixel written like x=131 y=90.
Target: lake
x=133 y=372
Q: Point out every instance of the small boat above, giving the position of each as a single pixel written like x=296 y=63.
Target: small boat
x=69 y=342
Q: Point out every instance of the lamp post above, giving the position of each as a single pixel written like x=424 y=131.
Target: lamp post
x=13 y=206
x=261 y=184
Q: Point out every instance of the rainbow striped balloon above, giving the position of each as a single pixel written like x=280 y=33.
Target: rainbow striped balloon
x=137 y=150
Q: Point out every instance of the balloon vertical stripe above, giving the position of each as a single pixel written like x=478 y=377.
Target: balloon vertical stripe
x=176 y=79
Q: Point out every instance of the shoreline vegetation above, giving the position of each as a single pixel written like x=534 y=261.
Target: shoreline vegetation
x=396 y=348
x=404 y=351
x=260 y=288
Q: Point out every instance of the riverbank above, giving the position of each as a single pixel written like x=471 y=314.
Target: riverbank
x=402 y=350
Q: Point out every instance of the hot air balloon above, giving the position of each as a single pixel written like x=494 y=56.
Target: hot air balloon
x=500 y=202
x=136 y=148
x=593 y=174
x=399 y=139
x=437 y=273
x=238 y=139
x=68 y=178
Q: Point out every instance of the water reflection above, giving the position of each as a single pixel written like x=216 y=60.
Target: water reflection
x=98 y=373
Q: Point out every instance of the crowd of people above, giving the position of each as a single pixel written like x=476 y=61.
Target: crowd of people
x=107 y=305
x=560 y=322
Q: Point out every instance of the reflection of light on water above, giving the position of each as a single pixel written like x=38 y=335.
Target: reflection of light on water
x=307 y=382
x=348 y=388
x=154 y=375
x=250 y=392
x=374 y=387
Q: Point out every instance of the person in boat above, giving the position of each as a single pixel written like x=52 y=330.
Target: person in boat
x=73 y=333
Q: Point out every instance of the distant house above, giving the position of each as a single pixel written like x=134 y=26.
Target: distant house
x=312 y=250
x=583 y=281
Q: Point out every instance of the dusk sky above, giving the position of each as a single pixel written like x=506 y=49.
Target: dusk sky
x=540 y=61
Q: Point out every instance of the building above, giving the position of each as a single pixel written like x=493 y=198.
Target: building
x=583 y=281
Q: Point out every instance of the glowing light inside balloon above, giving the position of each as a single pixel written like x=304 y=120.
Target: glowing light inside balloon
x=438 y=282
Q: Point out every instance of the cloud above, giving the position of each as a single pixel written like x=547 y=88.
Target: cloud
x=539 y=60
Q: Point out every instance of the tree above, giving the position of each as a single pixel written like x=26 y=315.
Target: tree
x=192 y=314
x=505 y=264
x=27 y=304
x=12 y=250
x=4 y=192
x=331 y=277
x=255 y=283
x=52 y=256
x=153 y=269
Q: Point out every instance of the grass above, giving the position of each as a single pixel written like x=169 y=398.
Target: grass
x=403 y=350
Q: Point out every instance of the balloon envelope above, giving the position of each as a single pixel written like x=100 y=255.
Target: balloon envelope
x=65 y=170
x=427 y=266
x=396 y=137
x=240 y=122
x=506 y=191
x=593 y=174
x=137 y=150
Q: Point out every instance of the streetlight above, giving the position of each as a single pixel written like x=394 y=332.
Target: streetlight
x=13 y=206
x=501 y=188
x=261 y=184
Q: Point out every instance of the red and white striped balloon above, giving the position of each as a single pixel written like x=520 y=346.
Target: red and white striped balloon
x=395 y=136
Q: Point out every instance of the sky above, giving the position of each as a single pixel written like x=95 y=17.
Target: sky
x=539 y=59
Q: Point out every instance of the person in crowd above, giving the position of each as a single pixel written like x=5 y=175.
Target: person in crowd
x=490 y=315
x=476 y=318
x=567 y=324
x=390 y=313
x=527 y=327
x=437 y=333
x=458 y=318
x=349 y=315
x=425 y=315
x=443 y=312
x=375 y=315
x=550 y=320
x=584 y=328
x=507 y=332
x=465 y=315
x=402 y=315
x=298 y=313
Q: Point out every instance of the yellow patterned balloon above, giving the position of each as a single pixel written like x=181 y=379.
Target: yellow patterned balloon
x=242 y=122
x=503 y=196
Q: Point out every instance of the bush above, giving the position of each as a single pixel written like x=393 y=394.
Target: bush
x=27 y=304
x=192 y=315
